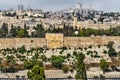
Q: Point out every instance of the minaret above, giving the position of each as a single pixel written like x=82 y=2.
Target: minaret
x=75 y=19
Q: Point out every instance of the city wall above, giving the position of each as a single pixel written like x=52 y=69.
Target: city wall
x=56 y=41
x=18 y=42
x=86 y=41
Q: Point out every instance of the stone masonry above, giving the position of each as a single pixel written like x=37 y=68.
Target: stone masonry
x=52 y=40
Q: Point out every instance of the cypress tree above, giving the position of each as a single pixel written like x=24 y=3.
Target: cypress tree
x=80 y=68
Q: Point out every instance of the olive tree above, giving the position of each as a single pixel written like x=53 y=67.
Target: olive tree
x=37 y=73
x=103 y=65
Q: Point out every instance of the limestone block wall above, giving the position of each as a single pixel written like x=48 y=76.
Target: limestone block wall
x=86 y=41
x=54 y=40
x=72 y=41
x=18 y=42
x=57 y=41
x=116 y=40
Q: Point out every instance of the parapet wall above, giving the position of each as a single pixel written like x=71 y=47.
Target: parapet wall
x=56 y=41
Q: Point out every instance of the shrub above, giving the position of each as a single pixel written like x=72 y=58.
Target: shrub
x=102 y=76
x=91 y=55
x=69 y=77
x=104 y=65
x=64 y=48
x=96 y=77
x=99 y=46
x=23 y=77
x=68 y=55
x=65 y=69
x=85 y=48
x=21 y=49
x=61 y=51
x=113 y=68
x=112 y=52
x=88 y=53
x=118 y=54
x=44 y=58
x=9 y=69
x=74 y=53
x=110 y=44
x=28 y=64
x=17 y=76
x=90 y=46
x=105 y=52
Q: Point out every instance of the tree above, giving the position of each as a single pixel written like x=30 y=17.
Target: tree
x=4 y=30
x=57 y=61
x=112 y=52
x=103 y=65
x=36 y=73
x=44 y=58
x=110 y=44
x=75 y=54
x=30 y=63
x=17 y=17
x=13 y=31
x=118 y=54
x=80 y=68
x=39 y=30
x=21 y=49
x=105 y=52
x=101 y=19
x=10 y=59
x=22 y=33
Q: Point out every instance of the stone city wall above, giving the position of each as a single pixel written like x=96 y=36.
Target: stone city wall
x=86 y=41
x=18 y=42
x=56 y=41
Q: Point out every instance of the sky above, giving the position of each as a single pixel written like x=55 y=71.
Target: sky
x=53 y=5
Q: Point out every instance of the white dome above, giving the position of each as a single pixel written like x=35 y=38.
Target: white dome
x=76 y=32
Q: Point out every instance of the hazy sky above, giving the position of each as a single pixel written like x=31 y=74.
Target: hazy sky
x=105 y=5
